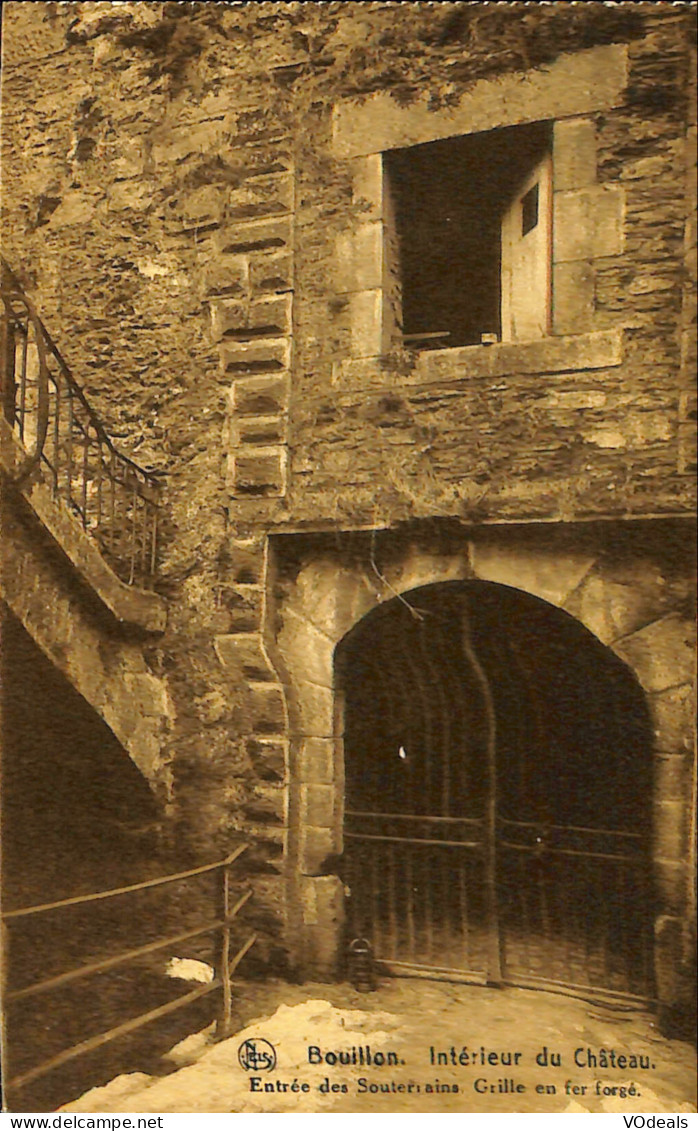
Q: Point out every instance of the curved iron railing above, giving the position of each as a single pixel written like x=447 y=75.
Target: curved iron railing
x=115 y=499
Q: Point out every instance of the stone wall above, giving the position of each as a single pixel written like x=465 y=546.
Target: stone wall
x=189 y=167
x=176 y=203
x=631 y=588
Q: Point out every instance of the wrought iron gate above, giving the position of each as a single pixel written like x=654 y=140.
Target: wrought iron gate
x=485 y=838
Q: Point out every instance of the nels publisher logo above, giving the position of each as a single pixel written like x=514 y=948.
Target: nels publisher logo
x=257 y=1055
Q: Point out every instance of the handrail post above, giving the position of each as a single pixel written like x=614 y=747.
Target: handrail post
x=224 y=1023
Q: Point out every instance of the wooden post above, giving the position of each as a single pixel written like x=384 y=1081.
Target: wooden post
x=224 y=1024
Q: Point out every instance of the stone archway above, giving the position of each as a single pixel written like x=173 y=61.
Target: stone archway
x=623 y=594
x=497 y=816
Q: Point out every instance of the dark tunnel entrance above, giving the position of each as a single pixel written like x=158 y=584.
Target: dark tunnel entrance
x=498 y=793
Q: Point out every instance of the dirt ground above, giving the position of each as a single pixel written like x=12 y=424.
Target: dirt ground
x=542 y=1052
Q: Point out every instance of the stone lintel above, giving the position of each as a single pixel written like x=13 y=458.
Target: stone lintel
x=574 y=84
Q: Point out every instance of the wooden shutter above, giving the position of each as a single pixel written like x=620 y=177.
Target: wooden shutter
x=526 y=257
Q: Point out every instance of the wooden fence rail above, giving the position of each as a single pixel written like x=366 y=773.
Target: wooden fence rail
x=222 y=981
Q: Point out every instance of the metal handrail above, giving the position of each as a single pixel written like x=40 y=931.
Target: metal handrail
x=226 y=964
x=115 y=499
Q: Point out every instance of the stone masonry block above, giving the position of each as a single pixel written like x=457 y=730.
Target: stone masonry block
x=671 y=777
x=244 y=607
x=670 y=830
x=688 y=449
x=271 y=314
x=267 y=803
x=317 y=706
x=145 y=748
x=202 y=205
x=331 y=597
x=265 y=837
x=366 y=321
x=260 y=396
x=255 y=124
x=661 y=654
x=359 y=258
x=322 y=904
x=263 y=430
x=255 y=235
x=182 y=142
x=673 y=717
x=226 y=315
x=271 y=272
x=689 y=345
x=227 y=275
x=573 y=296
x=670 y=884
x=316 y=845
x=246 y=562
x=318 y=805
x=306 y=650
x=266 y=356
x=546 y=575
x=148 y=695
x=269 y=758
x=316 y=761
x=268 y=709
x=118 y=707
x=268 y=897
x=246 y=652
x=574 y=153
x=368 y=185
x=322 y=900
x=268 y=318
x=688 y=405
x=268 y=195
x=611 y=609
x=588 y=223
x=260 y=473
x=668 y=952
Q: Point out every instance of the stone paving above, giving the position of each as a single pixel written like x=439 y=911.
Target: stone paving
x=417 y=1046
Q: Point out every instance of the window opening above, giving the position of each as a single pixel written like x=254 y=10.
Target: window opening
x=464 y=270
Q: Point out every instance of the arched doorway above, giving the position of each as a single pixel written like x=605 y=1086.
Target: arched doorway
x=498 y=788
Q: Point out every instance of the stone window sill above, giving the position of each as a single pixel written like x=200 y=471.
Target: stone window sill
x=558 y=354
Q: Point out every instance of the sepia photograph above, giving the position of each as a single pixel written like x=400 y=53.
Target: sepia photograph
x=347 y=566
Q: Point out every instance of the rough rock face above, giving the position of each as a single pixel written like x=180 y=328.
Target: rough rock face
x=176 y=200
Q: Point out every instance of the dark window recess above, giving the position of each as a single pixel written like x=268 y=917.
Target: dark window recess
x=529 y=210
x=449 y=199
